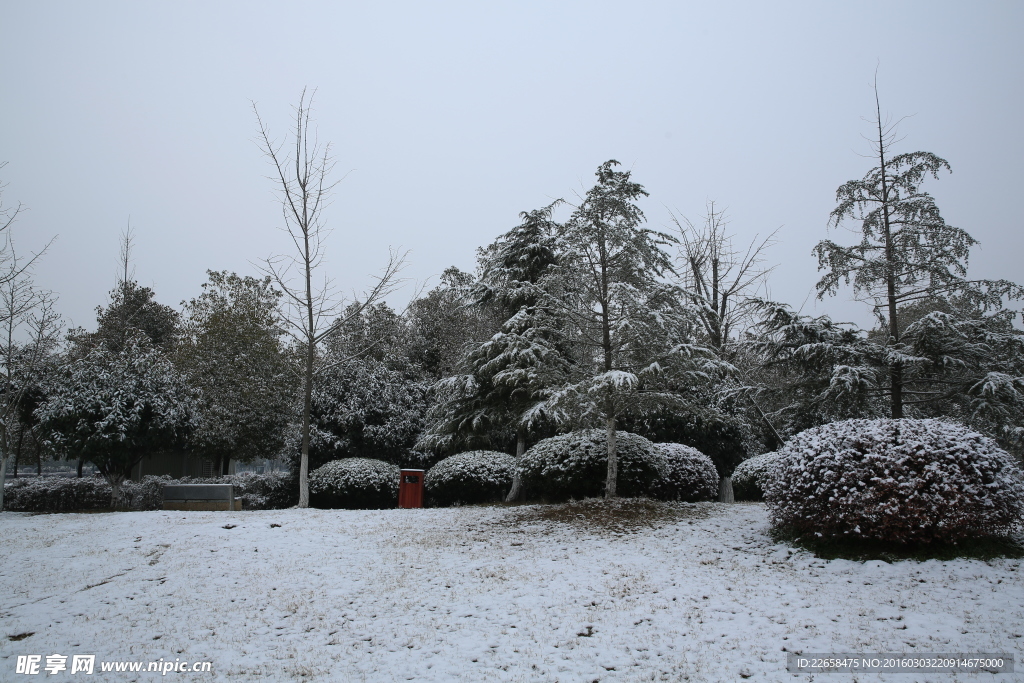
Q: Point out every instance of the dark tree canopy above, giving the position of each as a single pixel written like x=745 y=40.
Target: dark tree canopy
x=132 y=308
x=231 y=351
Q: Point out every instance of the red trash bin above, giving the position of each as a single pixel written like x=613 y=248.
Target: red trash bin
x=410 y=489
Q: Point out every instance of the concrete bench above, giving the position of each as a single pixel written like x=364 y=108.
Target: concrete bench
x=201 y=497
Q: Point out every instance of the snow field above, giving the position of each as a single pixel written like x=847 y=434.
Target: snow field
x=476 y=593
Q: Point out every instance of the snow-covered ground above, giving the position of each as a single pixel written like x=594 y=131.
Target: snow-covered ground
x=475 y=594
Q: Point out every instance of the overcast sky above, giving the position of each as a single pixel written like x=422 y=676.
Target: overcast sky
x=448 y=119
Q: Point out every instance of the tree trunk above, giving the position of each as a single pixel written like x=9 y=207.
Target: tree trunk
x=80 y=463
x=116 y=501
x=3 y=478
x=611 y=483
x=17 y=450
x=896 y=369
x=306 y=412
x=725 y=494
x=517 y=481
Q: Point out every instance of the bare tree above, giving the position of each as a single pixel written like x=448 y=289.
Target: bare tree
x=28 y=330
x=10 y=265
x=719 y=279
x=314 y=309
x=721 y=282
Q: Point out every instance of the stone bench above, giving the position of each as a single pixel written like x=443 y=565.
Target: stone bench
x=201 y=497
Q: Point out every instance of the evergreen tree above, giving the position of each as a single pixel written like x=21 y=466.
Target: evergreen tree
x=230 y=349
x=445 y=323
x=907 y=253
x=505 y=381
x=134 y=308
x=114 y=407
x=628 y=327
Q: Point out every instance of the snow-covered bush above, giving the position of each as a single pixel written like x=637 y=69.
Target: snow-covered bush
x=67 y=494
x=56 y=494
x=147 y=494
x=354 y=484
x=894 y=480
x=748 y=477
x=575 y=465
x=471 y=477
x=690 y=476
x=270 y=491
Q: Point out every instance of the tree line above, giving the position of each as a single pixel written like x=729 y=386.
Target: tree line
x=581 y=316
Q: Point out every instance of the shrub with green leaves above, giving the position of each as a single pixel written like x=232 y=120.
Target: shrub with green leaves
x=899 y=481
x=749 y=477
x=56 y=494
x=471 y=477
x=575 y=465
x=72 y=494
x=354 y=484
x=690 y=476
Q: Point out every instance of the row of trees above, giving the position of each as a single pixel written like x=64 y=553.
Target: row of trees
x=593 y=320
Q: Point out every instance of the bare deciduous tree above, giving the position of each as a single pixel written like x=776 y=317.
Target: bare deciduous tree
x=719 y=279
x=721 y=282
x=28 y=330
x=314 y=308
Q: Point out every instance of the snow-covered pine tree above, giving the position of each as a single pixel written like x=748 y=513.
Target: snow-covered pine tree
x=972 y=368
x=627 y=325
x=812 y=370
x=907 y=253
x=506 y=379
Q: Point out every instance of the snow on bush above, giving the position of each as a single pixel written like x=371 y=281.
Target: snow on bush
x=67 y=494
x=471 y=477
x=268 y=491
x=354 y=484
x=575 y=465
x=749 y=476
x=690 y=476
x=894 y=480
x=56 y=494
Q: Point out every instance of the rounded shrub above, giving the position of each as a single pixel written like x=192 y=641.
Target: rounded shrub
x=575 y=465
x=471 y=477
x=690 y=476
x=749 y=476
x=900 y=481
x=354 y=484
x=56 y=494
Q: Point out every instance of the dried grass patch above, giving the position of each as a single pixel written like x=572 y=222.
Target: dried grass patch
x=618 y=516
